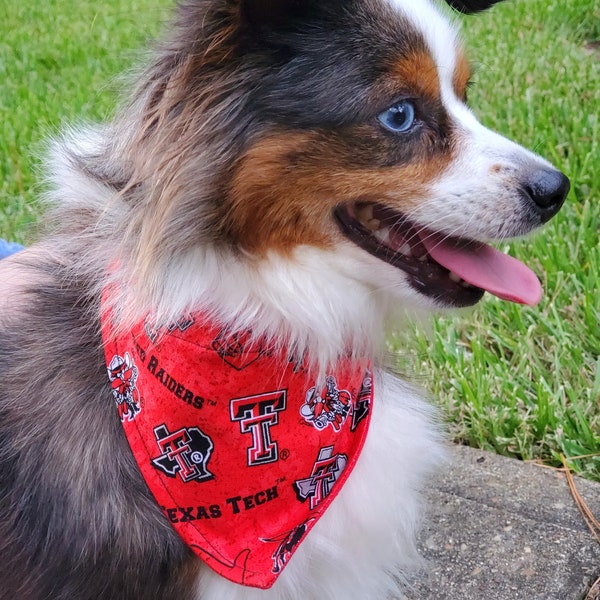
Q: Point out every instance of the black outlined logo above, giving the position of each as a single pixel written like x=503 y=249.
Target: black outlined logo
x=123 y=375
x=256 y=415
x=184 y=453
x=325 y=472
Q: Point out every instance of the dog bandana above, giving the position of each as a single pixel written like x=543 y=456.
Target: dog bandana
x=240 y=448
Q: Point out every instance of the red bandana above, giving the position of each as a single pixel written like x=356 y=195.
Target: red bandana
x=242 y=452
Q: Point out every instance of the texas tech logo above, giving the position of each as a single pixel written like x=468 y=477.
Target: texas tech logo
x=185 y=452
x=256 y=415
x=328 y=406
x=326 y=471
x=123 y=375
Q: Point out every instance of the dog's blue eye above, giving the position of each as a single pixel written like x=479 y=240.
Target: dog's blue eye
x=399 y=118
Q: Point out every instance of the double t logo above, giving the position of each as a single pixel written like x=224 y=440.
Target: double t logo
x=256 y=415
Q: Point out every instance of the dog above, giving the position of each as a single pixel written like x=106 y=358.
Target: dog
x=194 y=401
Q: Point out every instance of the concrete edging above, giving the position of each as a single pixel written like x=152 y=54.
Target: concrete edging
x=502 y=529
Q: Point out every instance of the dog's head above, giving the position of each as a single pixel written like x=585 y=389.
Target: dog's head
x=372 y=143
x=342 y=125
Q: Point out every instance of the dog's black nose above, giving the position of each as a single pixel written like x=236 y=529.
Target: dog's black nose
x=548 y=189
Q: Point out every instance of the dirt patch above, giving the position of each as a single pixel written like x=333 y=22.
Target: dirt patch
x=593 y=48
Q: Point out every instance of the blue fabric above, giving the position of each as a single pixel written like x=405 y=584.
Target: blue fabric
x=8 y=248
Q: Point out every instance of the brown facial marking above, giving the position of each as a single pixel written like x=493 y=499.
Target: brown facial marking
x=417 y=74
x=462 y=74
x=287 y=185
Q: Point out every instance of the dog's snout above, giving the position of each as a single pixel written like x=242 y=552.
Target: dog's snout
x=548 y=189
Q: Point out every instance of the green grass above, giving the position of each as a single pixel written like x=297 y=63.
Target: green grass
x=521 y=381
x=525 y=382
x=59 y=62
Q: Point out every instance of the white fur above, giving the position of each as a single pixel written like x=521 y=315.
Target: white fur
x=483 y=182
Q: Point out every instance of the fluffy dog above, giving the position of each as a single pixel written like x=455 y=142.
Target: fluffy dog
x=192 y=395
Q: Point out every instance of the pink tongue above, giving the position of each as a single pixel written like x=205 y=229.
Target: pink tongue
x=486 y=268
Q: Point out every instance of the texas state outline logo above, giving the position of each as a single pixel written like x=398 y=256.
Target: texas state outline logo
x=154 y=330
x=325 y=473
x=184 y=453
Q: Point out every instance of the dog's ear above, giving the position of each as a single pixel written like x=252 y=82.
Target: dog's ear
x=471 y=6
x=269 y=14
x=277 y=15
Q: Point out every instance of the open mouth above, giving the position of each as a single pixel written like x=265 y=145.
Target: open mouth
x=453 y=271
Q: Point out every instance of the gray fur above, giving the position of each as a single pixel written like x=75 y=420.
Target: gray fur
x=76 y=519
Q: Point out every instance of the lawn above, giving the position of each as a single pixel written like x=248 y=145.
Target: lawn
x=522 y=381
x=526 y=381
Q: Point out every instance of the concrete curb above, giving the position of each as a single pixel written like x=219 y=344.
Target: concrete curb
x=501 y=529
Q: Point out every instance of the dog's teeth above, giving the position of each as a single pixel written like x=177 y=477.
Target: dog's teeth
x=405 y=249
x=422 y=258
x=383 y=235
x=365 y=215
x=364 y=212
x=465 y=284
x=454 y=277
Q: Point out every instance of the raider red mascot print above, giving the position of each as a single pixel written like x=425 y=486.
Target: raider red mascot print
x=123 y=375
